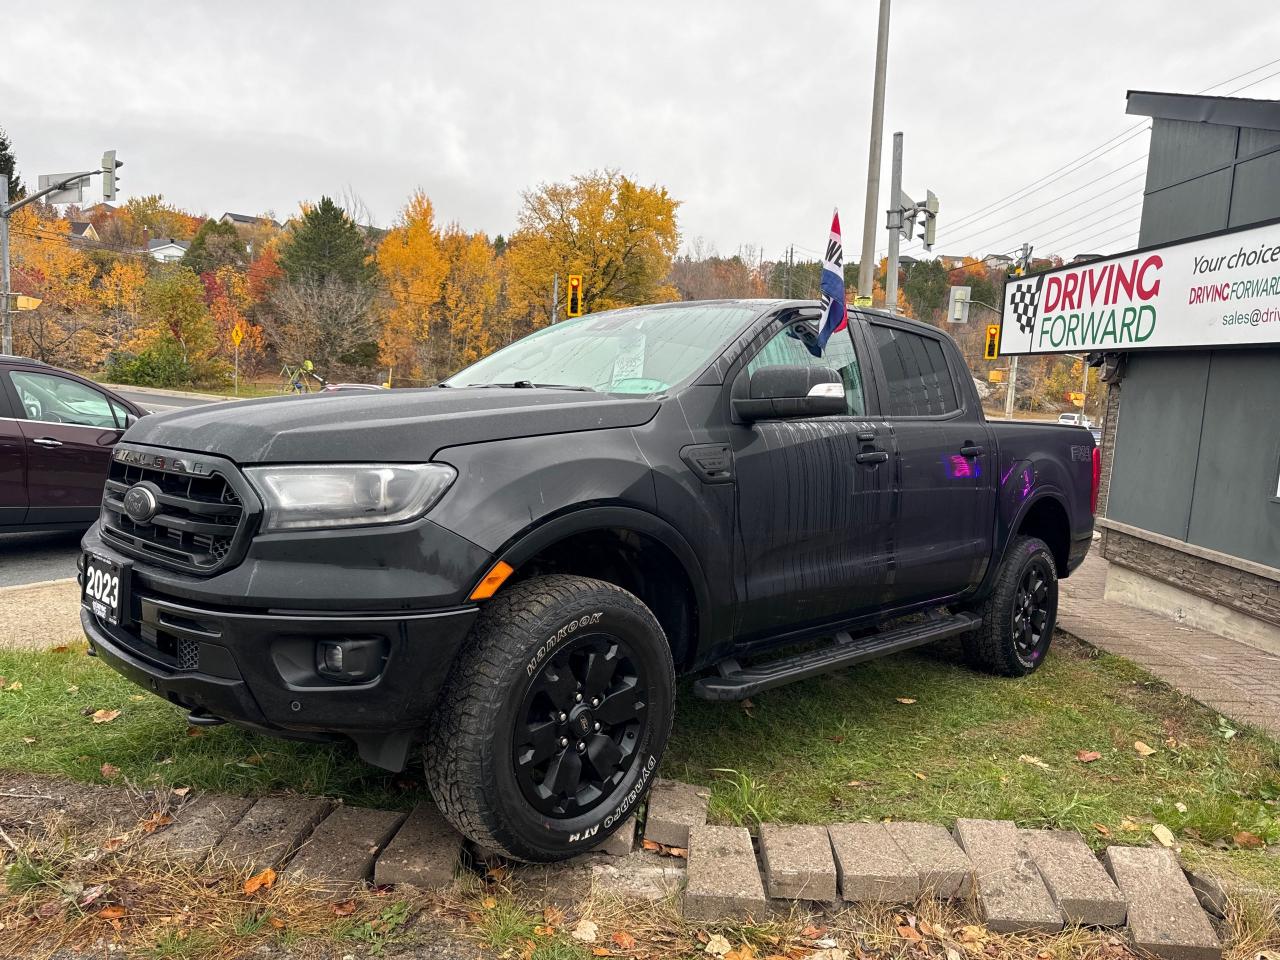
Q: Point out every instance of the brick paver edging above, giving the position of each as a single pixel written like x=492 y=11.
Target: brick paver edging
x=1020 y=881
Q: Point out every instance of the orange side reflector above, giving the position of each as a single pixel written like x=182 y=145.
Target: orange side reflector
x=492 y=581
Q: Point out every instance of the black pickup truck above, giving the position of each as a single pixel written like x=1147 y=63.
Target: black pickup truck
x=512 y=567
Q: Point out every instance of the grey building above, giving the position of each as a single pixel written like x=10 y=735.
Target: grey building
x=1190 y=494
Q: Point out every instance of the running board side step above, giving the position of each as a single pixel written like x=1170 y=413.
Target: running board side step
x=738 y=683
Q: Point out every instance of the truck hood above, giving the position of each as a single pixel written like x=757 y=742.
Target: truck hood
x=387 y=426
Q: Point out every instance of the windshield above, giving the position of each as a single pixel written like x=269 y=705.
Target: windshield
x=639 y=350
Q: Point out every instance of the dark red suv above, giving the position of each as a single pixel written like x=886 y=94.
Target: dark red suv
x=56 y=435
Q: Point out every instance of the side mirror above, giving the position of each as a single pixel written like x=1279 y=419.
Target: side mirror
x=790 y=391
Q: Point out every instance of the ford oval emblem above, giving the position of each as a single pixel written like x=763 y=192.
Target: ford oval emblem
x=140 y=503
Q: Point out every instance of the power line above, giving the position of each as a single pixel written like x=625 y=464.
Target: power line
x=1089 y=226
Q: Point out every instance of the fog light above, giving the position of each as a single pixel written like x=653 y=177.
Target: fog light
x=350 y=660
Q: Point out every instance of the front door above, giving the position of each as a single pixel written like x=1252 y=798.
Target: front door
x=68 y=430
x=13 y=467
x=813 y=521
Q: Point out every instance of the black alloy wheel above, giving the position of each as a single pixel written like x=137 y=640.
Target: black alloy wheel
x=1031 y=612
x=578 y=727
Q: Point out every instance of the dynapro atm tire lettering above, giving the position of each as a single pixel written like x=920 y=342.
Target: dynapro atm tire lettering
x=623 y=808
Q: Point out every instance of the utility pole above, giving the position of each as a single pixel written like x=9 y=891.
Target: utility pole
x=791 y=255
x=867 y=266
x=555 y=297
x=1024 y=264
x=895 y=226
x=5 y=289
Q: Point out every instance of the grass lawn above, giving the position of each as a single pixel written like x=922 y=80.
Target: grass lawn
x=841 y=747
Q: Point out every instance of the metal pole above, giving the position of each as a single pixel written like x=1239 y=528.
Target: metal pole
x=1008 y=394
x=237 y=375
x=895 y=227
x=1084 y=387
x=6 y=345
x=867 y=266
x=555 y=297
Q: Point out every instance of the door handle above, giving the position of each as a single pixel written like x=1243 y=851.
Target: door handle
x=866 y=436
x=872 y=456
x=47 y=442
x=972 y=450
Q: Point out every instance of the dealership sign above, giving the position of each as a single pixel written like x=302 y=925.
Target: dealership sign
x=1220 y=290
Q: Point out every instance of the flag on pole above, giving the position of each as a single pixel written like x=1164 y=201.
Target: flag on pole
x=834 y=317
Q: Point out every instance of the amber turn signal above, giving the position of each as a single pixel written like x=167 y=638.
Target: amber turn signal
x=492 y=581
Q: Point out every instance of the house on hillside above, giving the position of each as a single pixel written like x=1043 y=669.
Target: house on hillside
x=244 y=220
x=168 y=250
x=84 y=230
x=998 y=261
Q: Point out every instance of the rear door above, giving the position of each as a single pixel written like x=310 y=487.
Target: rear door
x=944 y=488
x=13 y=469
x=68 y=430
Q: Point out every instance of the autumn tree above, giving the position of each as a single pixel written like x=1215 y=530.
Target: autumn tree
x=216 y=244
x=619 y=235
x=46 y=265
x=120 y=294
x=175 y=343
x=702 y=274
x=325 y=243
x=329 y=322
x=926 y=287
x=141 y=220
x=9 y=168
x=468 y=305
x=413 y=267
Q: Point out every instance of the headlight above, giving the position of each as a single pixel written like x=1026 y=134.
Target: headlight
x=348 y=494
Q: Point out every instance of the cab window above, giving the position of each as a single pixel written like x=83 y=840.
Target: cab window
x=915 y=368
x=788 y=348
x=53 y=399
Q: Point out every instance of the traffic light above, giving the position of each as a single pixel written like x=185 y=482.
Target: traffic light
x=992 y=350
x=575 y=296
x=929 y=230
x=109 y=181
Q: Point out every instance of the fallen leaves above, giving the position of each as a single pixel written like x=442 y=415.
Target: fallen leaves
x=1102 y=829
x=553 y=916
x=155 y=822
x=717 y=946
x=61 y=648
x=1163 y=834
x=344 y=909
x=104 y=716
x=663 y=850
x=113 y=912
x=1247 y=840
x=108 y=771
x=1033 y=761
x=1142 y=750
x=1088 y=756
x=180 y=791
x=905 y=700
x=586 y=931
x=623 y=941
x=260 y=881
x=15 y=686
x=909 y=933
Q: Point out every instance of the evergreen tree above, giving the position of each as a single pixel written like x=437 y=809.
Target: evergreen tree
x=9 y=168
x=326 y=245
x=216 y=244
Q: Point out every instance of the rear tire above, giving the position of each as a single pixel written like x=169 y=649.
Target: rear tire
x=553 y=720
x=1019 y=617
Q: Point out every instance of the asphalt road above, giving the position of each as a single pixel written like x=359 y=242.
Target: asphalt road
x=34 y=557
x=158 y=402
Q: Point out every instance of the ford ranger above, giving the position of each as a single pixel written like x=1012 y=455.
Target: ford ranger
x=512 y=567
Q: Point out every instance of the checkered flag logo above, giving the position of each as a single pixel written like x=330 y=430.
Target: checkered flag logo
x=1024 y=300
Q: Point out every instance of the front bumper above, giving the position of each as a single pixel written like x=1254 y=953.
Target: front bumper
x=257 y=668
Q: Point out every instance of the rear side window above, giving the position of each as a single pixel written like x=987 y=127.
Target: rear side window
x=915 y=367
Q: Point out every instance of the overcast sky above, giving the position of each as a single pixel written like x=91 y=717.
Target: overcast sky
x=753 y=114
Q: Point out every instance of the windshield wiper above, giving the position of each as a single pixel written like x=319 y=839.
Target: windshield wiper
x=530 y=385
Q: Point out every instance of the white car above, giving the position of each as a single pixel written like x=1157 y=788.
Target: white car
x=1075 y=419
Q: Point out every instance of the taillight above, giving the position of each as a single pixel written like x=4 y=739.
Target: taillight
x=1096 y=482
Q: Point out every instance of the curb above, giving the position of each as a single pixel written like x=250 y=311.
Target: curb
x=157 y=392
x=14 y=588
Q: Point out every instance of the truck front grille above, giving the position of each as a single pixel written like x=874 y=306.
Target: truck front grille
x=197 y=525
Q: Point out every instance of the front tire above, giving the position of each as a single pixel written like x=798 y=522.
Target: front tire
x=1019 y=617
x=553 y=720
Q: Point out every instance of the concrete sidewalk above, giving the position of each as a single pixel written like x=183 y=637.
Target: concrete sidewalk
x=1237 y=680
x=35 y=616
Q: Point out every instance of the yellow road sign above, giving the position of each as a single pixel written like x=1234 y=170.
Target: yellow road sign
x=995 y=376
x=862 y=302
x=1077 y=399
x=23 y=302
x=993 y=342
x=237 y=334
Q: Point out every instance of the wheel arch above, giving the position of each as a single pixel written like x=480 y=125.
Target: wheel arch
x=631 y=548
x=1046 y=518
